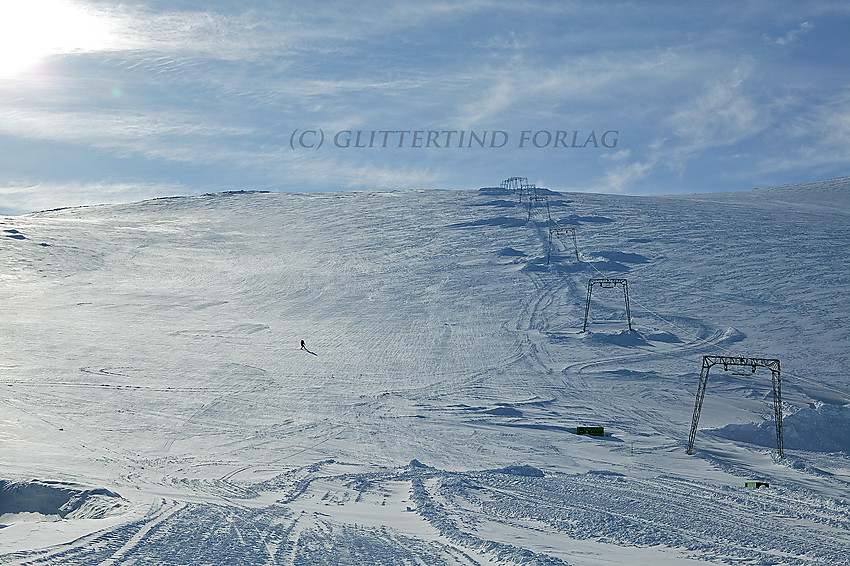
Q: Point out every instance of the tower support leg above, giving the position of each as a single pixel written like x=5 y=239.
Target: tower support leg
x=587 y=305
x=703 y=381
x=777 y=409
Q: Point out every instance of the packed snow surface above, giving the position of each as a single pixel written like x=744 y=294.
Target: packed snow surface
x=158 y=408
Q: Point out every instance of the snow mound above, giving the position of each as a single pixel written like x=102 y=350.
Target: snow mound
x=732 y=334
x=663 y=337
x=631 y=374
x=820 y=428
x=66 y=500
x=494 y=191
x=504 y=412
x=521 y=470
x=510 y=252
x=622 y=257
x=625 y=338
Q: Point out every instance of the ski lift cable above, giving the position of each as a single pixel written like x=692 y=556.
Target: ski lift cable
x=723 y=350
x=727 y=351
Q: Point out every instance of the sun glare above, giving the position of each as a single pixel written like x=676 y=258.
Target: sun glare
x=33 y=29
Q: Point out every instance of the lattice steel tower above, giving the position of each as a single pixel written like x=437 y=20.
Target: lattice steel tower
x=539 y=198
x=726 y=361
x=561 y=232
x=607 y=284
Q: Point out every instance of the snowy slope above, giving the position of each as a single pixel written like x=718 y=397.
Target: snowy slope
x=151 y=354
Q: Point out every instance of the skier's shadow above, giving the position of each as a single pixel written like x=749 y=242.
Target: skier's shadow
x=309 y=352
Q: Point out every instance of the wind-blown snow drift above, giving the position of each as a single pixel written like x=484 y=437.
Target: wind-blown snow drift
x=65 y=500
x=821 y=428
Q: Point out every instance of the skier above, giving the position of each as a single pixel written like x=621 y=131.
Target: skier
x=303 y=345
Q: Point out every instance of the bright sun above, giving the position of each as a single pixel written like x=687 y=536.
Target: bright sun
x=33 y=29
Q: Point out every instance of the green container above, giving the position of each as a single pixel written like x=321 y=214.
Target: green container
x=591 y=430
x=756 y=484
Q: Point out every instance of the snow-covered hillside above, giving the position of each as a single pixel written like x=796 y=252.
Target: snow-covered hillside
x=157 y=408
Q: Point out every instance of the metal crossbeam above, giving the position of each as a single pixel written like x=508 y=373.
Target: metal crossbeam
x=607 y=284
x=561 y=232
x=776 y=377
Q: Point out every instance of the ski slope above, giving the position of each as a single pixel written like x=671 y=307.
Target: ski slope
x=157 y=408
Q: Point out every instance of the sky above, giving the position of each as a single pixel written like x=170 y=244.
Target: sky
x=116 y=102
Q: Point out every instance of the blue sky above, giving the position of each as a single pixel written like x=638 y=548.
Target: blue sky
x=106 y=101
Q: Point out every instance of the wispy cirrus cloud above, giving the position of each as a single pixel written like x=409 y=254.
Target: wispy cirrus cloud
x=339 y=174
x=23 y=197
x=203 y=97
x=231 y=31
x=725 y=113
x=791 y=36
x=622 y=177
x=518 y=85
x=816 y=136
